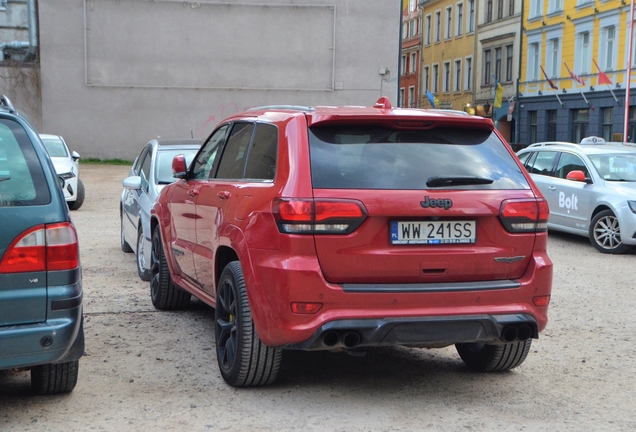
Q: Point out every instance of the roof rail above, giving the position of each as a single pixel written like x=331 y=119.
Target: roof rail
x=553 y=143
x=283 y=107
x=7 y=103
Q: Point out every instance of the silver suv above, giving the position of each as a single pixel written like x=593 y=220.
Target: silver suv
x=590 y=187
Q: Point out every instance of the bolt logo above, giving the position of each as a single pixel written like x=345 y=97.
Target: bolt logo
x=568 y=202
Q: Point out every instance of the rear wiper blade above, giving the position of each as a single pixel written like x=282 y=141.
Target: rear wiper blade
x=457 y=181
x=4 y=179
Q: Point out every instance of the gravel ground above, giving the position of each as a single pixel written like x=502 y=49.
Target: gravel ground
x=150 y=370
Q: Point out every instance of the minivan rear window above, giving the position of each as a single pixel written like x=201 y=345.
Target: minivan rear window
x=22 y=181
x=377 y=157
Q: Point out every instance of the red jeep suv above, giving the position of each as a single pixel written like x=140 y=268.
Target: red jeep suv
x=335 y=228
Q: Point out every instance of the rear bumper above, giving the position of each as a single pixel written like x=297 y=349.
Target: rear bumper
x=421 y=331
x=58 y=339
x=425 y=314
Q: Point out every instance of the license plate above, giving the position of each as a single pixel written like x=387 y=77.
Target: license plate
x=433 y=232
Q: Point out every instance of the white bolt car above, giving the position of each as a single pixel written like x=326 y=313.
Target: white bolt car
x=590 y=188
x=67 y=168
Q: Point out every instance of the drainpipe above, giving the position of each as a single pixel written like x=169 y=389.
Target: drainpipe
x=14 y=46
x=32 y=45
x=33 y=32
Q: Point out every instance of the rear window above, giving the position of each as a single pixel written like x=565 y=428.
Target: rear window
x=375 y=157
x=22 y=181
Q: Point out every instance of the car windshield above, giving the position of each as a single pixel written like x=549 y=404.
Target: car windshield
x=615 y=167
x=164 y=163
x=55 y=147
x=376 y=157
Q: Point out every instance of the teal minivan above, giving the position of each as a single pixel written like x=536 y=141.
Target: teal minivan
x=41 y=326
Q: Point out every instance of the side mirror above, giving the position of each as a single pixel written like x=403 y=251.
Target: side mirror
x=75 y=155
x=132 y=182
x=179 y=167
x=576 y=175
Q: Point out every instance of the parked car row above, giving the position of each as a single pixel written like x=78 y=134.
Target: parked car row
x=339 y=228
x=590 y=188
x=41 y=326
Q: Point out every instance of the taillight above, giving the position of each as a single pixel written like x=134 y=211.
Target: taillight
x=42 y=248
x=308 y=216
x=524 y=215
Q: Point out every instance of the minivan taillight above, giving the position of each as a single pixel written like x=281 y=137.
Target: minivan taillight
x=43 y=248
x=309 y=216
x=524 y=215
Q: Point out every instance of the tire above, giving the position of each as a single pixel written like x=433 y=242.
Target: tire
x=243 y=359
x=163 y=293
x=54 y=378
x=124 y=244
x=605 y=233
x=494 y=358
x=79 y=198
x=142 y=265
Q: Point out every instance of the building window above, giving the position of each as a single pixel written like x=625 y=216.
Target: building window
x=403 y=65
x=460 y=19
x=427 y=77
x=532 y=121
x=511 y=7
x=509 y=58
x=449 y=22
x=413 y=65
x=489 y=11
x=435 y=78
x=498 y=64
x=608 y=123
x=580 y=124
x=428 y=29
x=500 y=7
x=458 y=75
x=631 y=131
x=471 y=16
x=584 y=52
x=536 y=8
x=533 y=59
x=610 y=34
x=554 y=58
x=412 y=97
x=447 y=71
x=555 y=6
x=552 y=125
x=468 y=83
x=487 y=66
x=412 y=28
x=412 y=5
x=438 y=26
x=3 y=4
x=402 y=101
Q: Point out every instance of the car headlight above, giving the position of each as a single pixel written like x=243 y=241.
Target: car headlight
x=632 y=206
x=67 y=175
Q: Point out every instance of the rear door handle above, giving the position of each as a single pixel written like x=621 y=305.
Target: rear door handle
x=552 y=188
x=224 y=194
x=193 y=192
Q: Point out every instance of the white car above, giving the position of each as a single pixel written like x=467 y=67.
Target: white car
x=590 y=188
x=67 y=168
x=151 y=171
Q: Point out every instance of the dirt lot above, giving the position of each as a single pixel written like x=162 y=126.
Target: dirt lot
x=149 y=370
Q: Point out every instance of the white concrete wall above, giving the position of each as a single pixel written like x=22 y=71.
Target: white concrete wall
x=117 y=73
